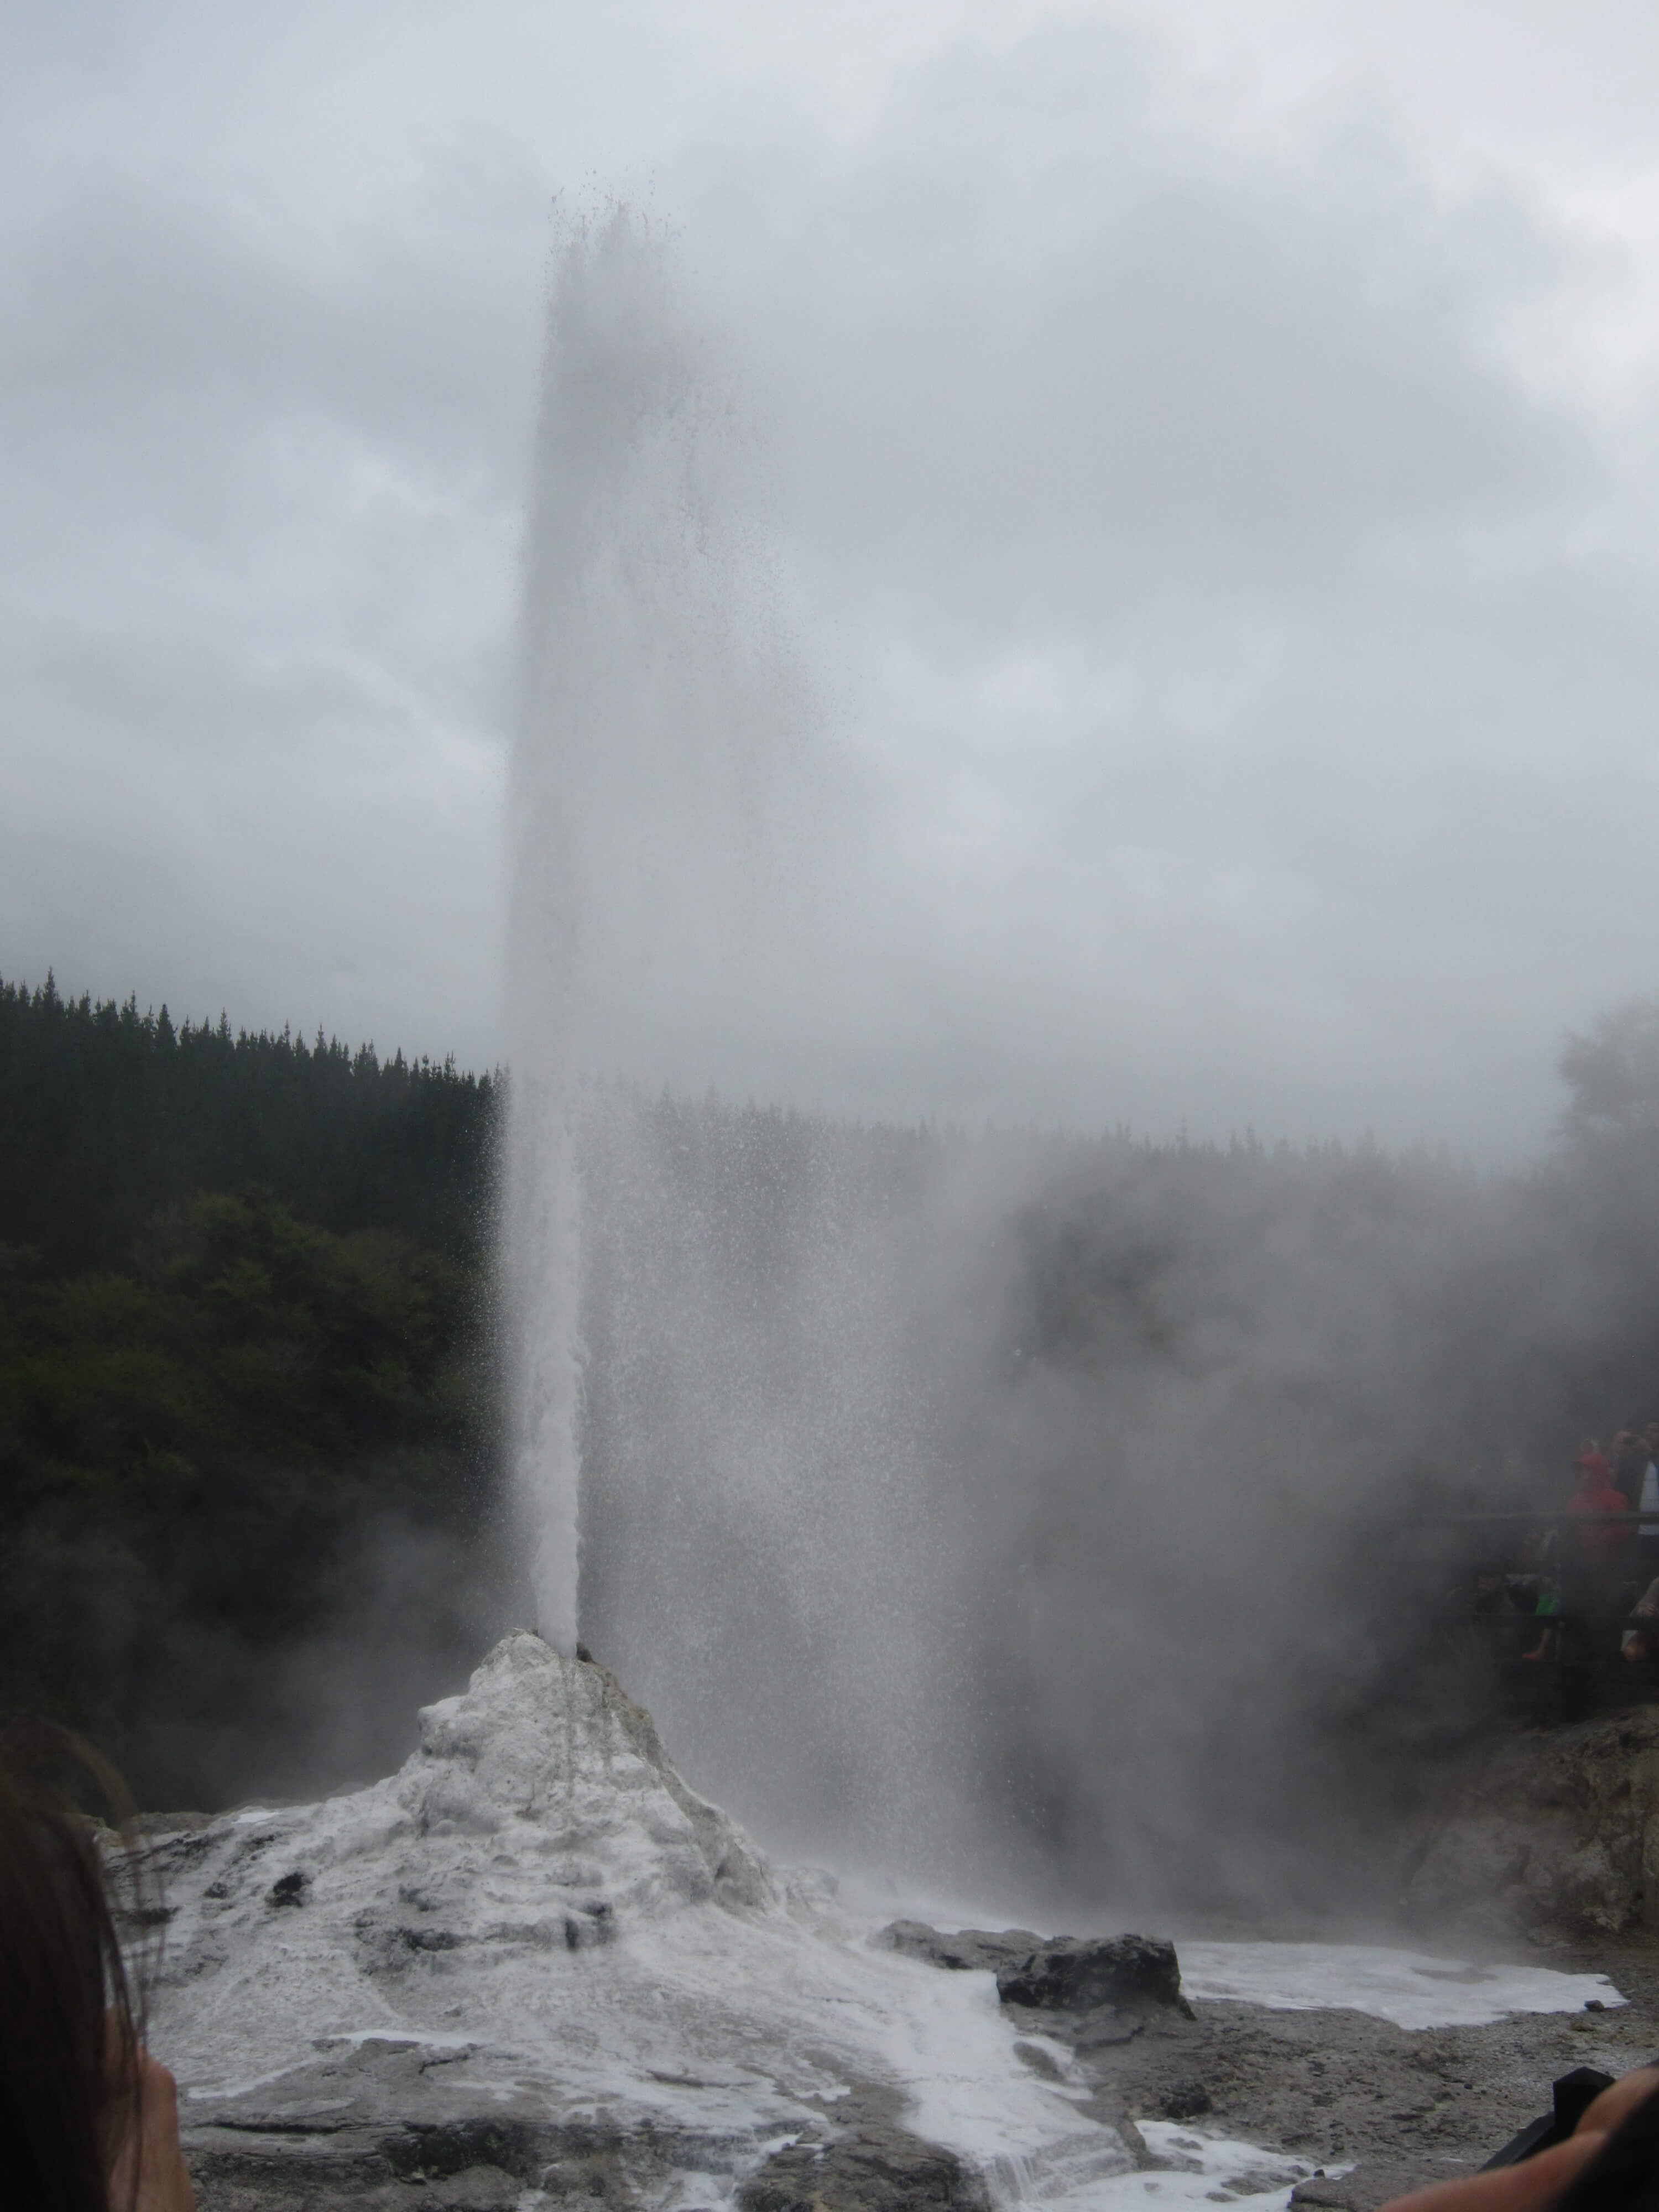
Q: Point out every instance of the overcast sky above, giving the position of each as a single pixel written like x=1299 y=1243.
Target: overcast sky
x=1211 y=451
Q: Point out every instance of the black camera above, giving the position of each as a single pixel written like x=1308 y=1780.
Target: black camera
x=1623 y=2176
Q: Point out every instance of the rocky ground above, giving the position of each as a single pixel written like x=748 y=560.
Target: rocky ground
x=1381 y=2109
x=1554 y=1829
x=535 y=1970
x=376 y=2126
x=1400 y=2107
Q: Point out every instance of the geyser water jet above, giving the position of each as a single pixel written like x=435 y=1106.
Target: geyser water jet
x=764 y=1506
x=633 y=790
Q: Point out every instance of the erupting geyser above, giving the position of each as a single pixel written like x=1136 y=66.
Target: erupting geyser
x=762 y=1550
x=602 y=529
x=632 y=796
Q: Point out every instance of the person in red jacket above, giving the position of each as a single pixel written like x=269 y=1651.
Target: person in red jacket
x=1595 y=1493
x=1594 y=1584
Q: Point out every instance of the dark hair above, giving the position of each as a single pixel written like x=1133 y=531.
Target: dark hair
x=70 y=2034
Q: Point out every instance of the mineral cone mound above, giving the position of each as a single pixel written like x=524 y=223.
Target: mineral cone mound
x=534 y=1967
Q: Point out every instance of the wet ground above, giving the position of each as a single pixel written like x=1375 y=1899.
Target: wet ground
x=1402 y=2107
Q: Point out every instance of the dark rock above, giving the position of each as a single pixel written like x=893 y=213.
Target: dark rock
x=290 y=1890
x=595 y=1923
x=1366 y=2187
x=283 y=2158
x=383 y=2126
x=1039 y=2061
x=1099 y=1975
x=883 y=2169
x=970 y=1949
x=1077 y=1973
x=345 y=2132
x=1185 y=2100
x=1106 y=2025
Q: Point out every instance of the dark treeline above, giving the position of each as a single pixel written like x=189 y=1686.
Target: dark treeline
x=247 y=1420
x=109 y=1115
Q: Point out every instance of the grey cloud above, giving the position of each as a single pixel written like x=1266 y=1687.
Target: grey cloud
x=1165 y=370
x=259 y=547
x=1254 y=656
x=287 y=842
x=1231 y=672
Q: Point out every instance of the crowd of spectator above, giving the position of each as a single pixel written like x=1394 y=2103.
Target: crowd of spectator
x=1581 y=1577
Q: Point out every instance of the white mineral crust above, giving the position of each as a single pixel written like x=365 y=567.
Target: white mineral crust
x=540 y=1906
